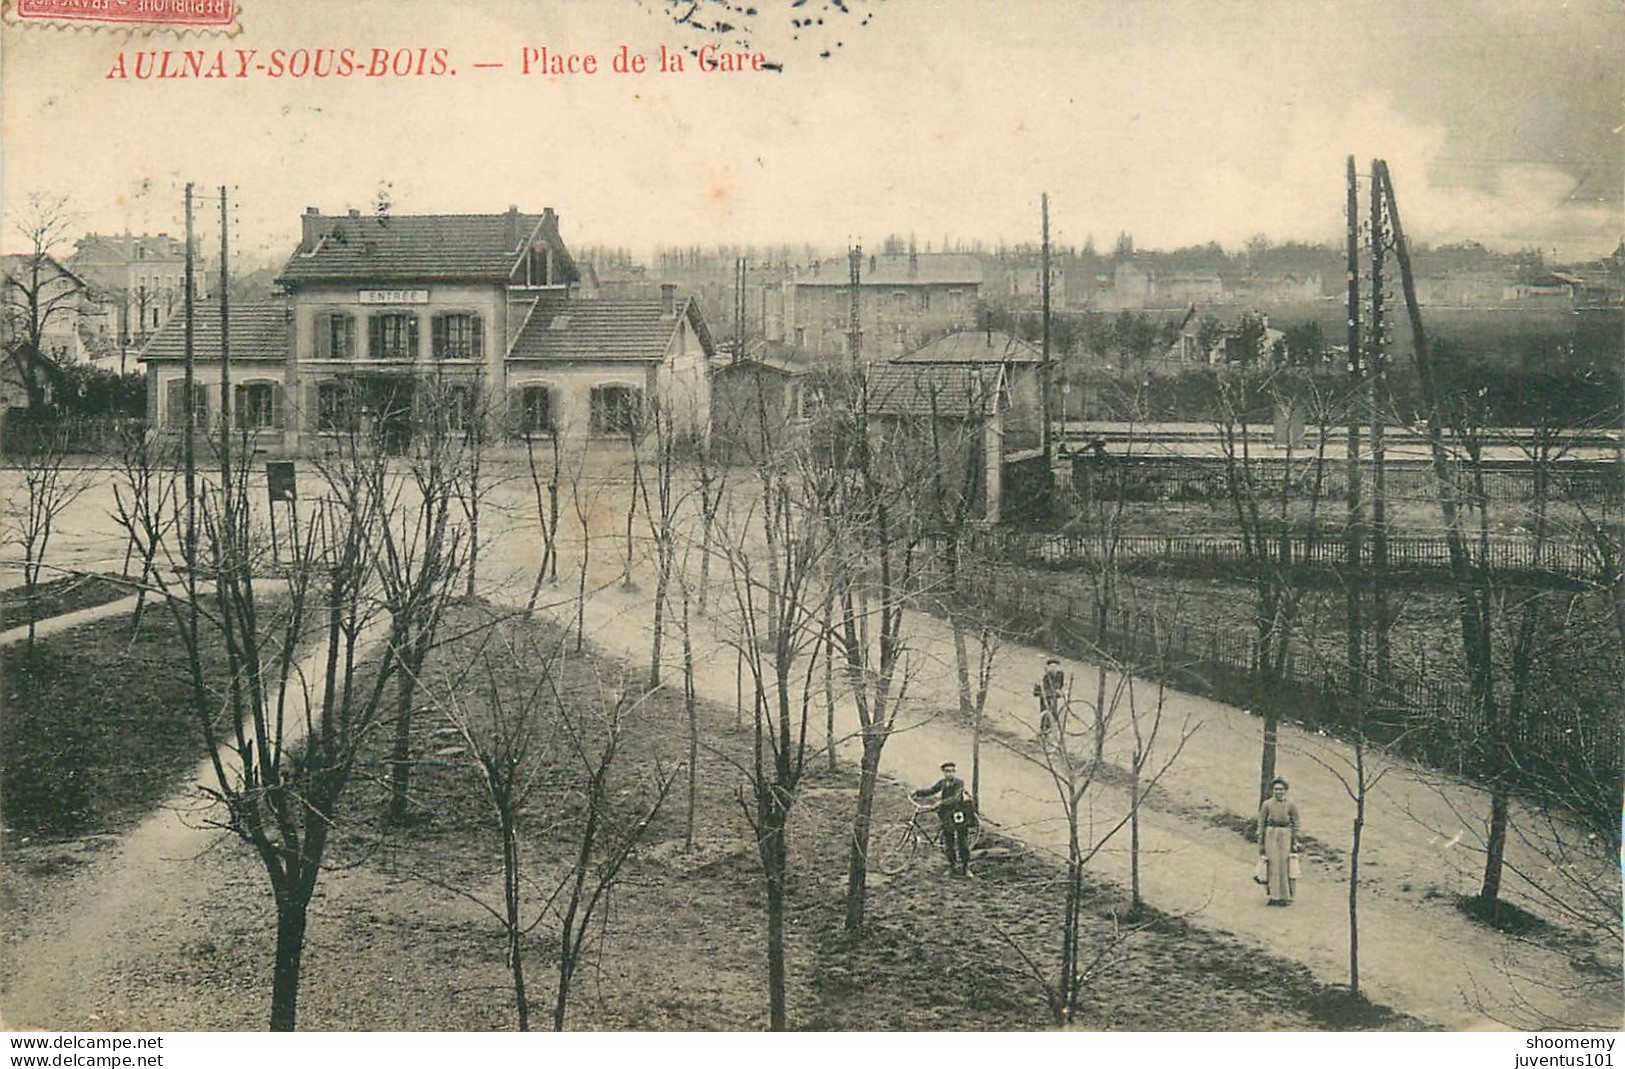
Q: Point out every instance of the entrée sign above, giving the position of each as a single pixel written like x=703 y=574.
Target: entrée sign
x=394 y=296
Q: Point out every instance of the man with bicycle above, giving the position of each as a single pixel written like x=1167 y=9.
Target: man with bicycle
x=956 y=810
x=1052 y=700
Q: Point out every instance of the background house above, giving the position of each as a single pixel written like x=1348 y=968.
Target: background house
x=943 y=425
x=40 y=325
x=1016 y=364
x=757 y=402
x=137 y=280
x=904 y=298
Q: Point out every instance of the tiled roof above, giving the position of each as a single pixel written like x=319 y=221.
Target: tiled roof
x=127 y=249
x=769 y=355
x=259 y=331
x=925 y=269
x=973 y=347
x=21 y=264
x=945 y=390
x=628 y=329
x=415 y=247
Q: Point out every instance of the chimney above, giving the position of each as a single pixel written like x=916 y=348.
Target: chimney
x=510 y=228
x=913 y=258
x=355 y=213
x=668 y=300
x=312 y=222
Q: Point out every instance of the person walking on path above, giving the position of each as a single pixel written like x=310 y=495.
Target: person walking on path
x=1278 y=843
x=1051 y=695
x=955 y=811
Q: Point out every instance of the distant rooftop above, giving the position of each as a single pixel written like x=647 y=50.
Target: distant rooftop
x=897 y=269
x=770 y=355
x=17 y=264
x=122 y=248
x=952 y=391
x=973 y=347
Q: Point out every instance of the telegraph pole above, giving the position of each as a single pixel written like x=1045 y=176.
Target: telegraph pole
x=854 y=333
x=225 y=354
x=189 y=447
x=1044 y=381
x=739 y=309
x=1356 y=533
x=1377 y=368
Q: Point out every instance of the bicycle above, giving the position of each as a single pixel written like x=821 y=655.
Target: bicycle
x=898 y=844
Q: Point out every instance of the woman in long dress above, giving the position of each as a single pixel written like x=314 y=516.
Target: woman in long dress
x=1278 y=841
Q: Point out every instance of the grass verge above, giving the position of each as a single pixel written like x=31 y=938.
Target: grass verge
x=99 y=726
x=60 y=596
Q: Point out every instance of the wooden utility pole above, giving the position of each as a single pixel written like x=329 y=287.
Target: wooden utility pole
x=225 y=353
x=739 y=309
x=1472 y=593
x=854 y=332
x=1044 y=380
x=1355 y=532
x=189 y=385
x=1376 y=367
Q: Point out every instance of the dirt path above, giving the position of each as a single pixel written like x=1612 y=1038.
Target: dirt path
x=151 y=890
x=93 y=944
x=1418 y=953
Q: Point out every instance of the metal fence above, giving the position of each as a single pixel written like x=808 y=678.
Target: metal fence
x=1204 y=479
x=26 y=434
x=1507 y=553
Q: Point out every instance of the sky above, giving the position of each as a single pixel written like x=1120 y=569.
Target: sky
x=1179 y=122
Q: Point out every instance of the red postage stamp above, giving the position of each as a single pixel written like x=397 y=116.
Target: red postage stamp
x=202 y=13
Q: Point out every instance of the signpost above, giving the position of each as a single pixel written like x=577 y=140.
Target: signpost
x=281 y=484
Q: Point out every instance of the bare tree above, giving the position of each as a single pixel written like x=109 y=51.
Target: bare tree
x=691 y=714
x=958 y=500
x=39 y=294
x=1145 y=725
x=473 y=487
x=144 y=505
x=901 y=452
x=419 y=548
x=1359 y=771
x=285 y=739
x=1266 y=536
x=584 y=499
x=713 y=483
x=502 y=738
x=50 y=484
x=594 y=739
x=636 y=427
x=1075 y=774
x=777 y=631
x=827 y=615
x=1102 y=515
x=547 y=512
x=662 y=516
x=1475 y=596
x=540 y=750
x=988 y=643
